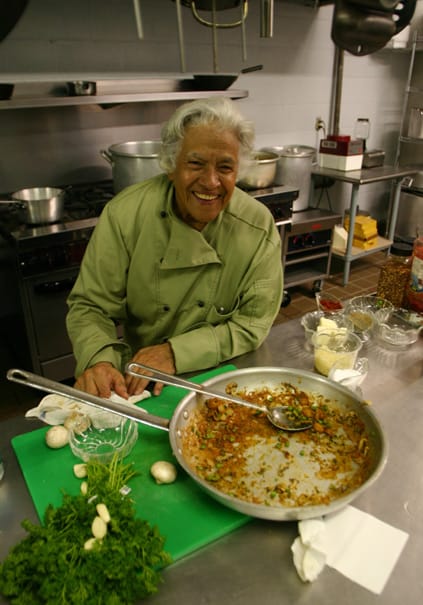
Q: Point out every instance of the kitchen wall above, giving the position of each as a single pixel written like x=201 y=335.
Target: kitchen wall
x=88 y=39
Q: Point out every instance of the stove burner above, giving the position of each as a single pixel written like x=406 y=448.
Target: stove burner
x=87 y=200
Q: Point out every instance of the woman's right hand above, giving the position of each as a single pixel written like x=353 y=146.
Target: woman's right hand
x=101 y=379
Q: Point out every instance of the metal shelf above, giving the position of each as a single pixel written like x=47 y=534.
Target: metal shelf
x=117 y=99
x=413 y=140
x=382 y=244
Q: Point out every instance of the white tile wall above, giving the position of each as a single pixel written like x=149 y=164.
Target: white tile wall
x=91 y=37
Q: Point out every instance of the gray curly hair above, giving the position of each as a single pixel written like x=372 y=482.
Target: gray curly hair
x=219 y=110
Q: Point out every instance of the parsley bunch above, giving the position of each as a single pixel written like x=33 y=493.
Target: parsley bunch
x=51 y=567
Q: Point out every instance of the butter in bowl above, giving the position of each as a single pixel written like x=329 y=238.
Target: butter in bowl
x=318 y=321
x=340 y=347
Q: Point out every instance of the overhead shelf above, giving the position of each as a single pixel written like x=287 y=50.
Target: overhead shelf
x=117 y=99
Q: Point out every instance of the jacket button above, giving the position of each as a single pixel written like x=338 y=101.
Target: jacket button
x=201 y=303
x=163 y=214
x=166 y=308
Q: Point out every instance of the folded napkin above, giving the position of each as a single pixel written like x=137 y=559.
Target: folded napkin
x=361 y=547
x=55 y=409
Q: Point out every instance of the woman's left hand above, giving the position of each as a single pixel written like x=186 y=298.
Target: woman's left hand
x=159 y=357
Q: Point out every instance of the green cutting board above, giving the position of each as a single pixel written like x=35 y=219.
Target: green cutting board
x=186 y=516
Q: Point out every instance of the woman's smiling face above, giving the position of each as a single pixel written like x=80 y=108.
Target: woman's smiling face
x=205 y=174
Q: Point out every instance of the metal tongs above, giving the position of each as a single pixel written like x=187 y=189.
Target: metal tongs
x=278 y=415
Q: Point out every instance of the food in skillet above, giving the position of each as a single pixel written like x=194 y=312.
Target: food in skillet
x=237 y=451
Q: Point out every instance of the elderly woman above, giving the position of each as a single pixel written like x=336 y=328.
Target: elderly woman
x=188 y=264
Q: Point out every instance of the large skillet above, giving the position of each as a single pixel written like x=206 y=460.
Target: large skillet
x=245 y=378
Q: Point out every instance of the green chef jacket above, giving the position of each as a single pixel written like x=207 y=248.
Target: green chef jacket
x=212 y=295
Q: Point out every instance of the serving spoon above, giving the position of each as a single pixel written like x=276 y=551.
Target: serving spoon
x=278 y=416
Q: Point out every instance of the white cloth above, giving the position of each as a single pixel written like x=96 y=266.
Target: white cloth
x=361 y=547
x=55 y=409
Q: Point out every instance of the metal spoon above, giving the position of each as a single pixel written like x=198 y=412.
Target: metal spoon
x=277 y=415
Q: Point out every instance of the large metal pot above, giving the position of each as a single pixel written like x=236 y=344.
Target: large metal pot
x=294 y=168
x=38 y=205
x=249 y=378
x=261 y=170
x=132 y=162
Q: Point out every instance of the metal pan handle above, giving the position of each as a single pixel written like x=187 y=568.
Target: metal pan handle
x=57 y=388
x=138 y=369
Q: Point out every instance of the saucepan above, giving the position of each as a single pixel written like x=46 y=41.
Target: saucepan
x=278 y=463
x=38 y=205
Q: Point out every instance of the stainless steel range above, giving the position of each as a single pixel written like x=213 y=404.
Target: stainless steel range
x=46 y=261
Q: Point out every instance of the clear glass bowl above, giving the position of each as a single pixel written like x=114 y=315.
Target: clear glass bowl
x=329 y=303
x=361 y=310
x=398 y=327
x=311 y=321
x=101 y=444
x=351 y=378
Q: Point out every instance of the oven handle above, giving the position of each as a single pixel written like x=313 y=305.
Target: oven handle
x=51 y=287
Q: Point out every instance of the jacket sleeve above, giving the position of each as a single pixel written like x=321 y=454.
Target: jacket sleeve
x=97 y=302
x=247 y=327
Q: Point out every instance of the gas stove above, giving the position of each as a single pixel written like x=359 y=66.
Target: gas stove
x=82 y=207
x=84 y=203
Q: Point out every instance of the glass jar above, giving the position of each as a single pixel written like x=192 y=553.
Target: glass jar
x=415 y=286
x=395 y=275
x=362 y=130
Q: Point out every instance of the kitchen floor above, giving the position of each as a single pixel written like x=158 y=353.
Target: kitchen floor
x=16 y=399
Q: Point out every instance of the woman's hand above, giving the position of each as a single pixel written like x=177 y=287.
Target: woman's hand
x=159 y=357
x=101 y=379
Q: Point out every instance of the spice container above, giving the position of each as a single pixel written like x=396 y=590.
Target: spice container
x=395 y=275
x=415 y=286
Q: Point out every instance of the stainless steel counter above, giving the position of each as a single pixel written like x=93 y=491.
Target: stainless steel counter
x=254 y=564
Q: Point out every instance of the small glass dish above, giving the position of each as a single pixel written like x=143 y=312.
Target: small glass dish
x=101 y=444
x=361 y=310
x=398 y=328
x=315 y=320
x=328 y=303
x=352 y=378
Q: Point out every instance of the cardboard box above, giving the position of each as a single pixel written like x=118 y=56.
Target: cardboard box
x=340 y=162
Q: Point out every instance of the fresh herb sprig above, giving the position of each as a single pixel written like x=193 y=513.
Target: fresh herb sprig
x=51 y=567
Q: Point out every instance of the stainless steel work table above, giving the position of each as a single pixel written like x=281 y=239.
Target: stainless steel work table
x=253 y=565
x=357 y=178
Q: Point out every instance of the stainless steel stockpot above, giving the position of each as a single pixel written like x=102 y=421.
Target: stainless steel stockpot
x=260 y=170
x=294 y=168
x=132 y=162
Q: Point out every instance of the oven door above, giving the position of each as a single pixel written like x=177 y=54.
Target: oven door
x=44 y=307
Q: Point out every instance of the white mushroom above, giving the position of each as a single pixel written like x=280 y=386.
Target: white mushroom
x=163 y=472
x=57 y=436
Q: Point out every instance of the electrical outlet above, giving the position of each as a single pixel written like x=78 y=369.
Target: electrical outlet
x=319 y=124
